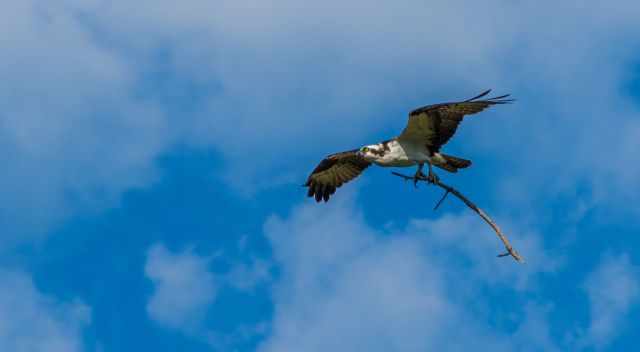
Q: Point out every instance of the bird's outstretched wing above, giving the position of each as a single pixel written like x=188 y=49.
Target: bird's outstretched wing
x=334 y=171
x=434 y=125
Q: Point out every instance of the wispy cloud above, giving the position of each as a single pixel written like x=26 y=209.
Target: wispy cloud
x=184 y=287
x=247 y=276
x=31 y=321
x=73 y=135
x=613 y=289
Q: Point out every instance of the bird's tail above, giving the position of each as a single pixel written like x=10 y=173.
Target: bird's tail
x=453 y=163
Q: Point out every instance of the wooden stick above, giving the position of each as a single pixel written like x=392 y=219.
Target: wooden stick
x=448 y=189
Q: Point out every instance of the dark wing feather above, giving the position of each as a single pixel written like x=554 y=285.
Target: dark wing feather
x=436 y=124
x=334 y=171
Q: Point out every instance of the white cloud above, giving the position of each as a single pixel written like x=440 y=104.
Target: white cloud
x=33 y=322
x=73 y=135
x=344 y=286
x=613 y=289
x=184 y=287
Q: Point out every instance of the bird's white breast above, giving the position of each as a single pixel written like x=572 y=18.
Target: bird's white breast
x=399 y=155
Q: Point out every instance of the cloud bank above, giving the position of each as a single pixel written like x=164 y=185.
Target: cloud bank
x=94 y=92
x=346 y=286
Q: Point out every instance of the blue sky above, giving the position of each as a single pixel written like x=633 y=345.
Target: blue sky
x=153 y=154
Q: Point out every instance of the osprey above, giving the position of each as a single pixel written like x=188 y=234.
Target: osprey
x=428 y=129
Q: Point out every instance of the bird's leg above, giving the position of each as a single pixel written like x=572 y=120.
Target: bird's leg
x=419 y=175
x=432 y=177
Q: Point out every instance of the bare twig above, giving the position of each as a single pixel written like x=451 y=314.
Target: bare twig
x=448 y=189
x=446 y=193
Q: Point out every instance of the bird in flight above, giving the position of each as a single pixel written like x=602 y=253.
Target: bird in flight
x=428 y=129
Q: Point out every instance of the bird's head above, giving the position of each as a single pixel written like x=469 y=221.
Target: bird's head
x=371 y=152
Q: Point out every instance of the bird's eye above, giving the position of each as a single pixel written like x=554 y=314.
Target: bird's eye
x=365 y=149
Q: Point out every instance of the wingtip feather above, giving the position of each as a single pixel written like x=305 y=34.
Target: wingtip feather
x=500 y=99
x=495 y=100
x=480 y=95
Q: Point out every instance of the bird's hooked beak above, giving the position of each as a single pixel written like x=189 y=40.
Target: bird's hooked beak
x=360 y=154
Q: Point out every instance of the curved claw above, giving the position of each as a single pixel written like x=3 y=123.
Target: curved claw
x=417 y=177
